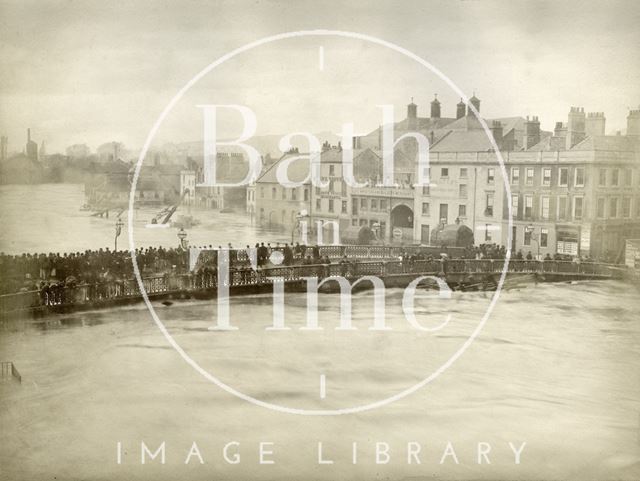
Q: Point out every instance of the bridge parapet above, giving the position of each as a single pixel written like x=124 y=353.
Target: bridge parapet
x=245 y=276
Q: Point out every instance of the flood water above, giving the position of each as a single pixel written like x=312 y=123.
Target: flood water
x=556 y=366
x=51 y=221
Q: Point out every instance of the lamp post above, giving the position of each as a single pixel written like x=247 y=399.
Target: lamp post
x=530 y=229
x=299 y=216
x=119 y=225
x=182 y=235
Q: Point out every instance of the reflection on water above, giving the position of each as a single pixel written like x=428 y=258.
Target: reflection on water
x=556 y=367
x=55 y=322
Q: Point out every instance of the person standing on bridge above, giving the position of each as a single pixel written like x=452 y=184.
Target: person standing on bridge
x=344 y=266
x=263 y=254
x=288 y=255
x=326 y=263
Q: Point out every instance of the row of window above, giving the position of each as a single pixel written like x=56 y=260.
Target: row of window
x=364 y=204
x=527 y=235
x=612 y=177
x=606 y=177
x=611 y=208
x=293 y=193
x=380 y=225
x=543 y=240
x=284 y=217
x=615 y=207
x=561 y=202
x=331 y=188
x=529 y=176
x=546 y=174
x=444 y=211
x=463 y=174
x=331 y=205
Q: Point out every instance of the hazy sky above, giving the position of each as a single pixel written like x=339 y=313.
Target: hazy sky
x=92 y=72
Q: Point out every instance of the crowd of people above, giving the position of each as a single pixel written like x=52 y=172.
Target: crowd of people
x=28 y=272
x=485 y=251
x=495 y=251
x=50 y=273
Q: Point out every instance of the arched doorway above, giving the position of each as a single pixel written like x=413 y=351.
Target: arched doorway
x=402 y=223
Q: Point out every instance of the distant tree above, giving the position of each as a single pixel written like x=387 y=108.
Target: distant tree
x=112 y=151
x=78 y=151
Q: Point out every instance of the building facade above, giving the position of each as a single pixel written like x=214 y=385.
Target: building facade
x=572 y=191
x=271 y=204
x=231 y=167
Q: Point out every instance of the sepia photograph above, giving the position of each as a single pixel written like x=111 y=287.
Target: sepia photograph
x=316 y=240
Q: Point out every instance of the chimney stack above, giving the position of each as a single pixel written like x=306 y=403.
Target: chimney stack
x=633 y=123
x=435 y=108
x=575 y=127
x=460 y=109
x=531 y=133
x=412 y=115
x=594 y=124
x=560 y=130
x=475 y=101
x=496 y=131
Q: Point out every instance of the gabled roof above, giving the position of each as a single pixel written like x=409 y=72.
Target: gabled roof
x=509 y=124
x=468 y=122
x=549 y=143
x=463 y=141
x=608 y=143
x=619 y=143
x=423 y=124
x=297 y=170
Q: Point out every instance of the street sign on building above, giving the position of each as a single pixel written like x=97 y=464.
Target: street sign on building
x=632 y=253
x=585 y=240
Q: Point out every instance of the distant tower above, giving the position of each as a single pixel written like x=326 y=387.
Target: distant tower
x=594 y=124
x=31 y=148
x=43 y=150
x=575 y=127
x=435 y=108
x=531 y=133
x=475 y=101
x=412 y=115
x=460 y=109
x=633 y=123
x=4 y=145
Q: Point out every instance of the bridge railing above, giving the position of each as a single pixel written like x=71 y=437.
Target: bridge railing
x=243 y=276
x=353 y=251
x=19 y=301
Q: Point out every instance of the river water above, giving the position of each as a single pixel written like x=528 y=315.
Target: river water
x=555 y=367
